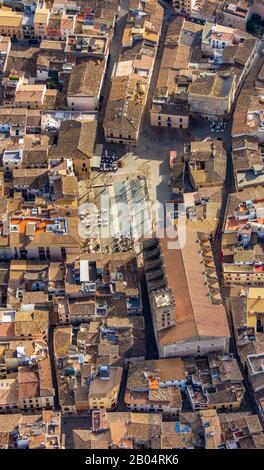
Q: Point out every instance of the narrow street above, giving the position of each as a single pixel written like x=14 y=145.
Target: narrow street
x=121 y=402
x=151 y=346
x=53 y=369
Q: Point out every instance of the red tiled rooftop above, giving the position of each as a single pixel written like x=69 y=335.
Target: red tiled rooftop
x=28 y=390
x=7 y=329
x=259 y=269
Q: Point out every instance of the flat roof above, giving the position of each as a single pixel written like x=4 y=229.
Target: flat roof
x=12 y=155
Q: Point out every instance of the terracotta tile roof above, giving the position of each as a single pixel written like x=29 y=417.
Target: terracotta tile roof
x=26 y=375
x=28 y=390
x=86 y=78
x=195 y=314
x=7 y=329
x=62 y=340
x=45 y=377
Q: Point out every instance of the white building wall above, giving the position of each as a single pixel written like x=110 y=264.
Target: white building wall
x=42 y=75
x=195 y=348
x=83 y=103
x=157 y=408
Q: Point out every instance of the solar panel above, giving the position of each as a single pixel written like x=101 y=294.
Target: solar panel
x=177 y=427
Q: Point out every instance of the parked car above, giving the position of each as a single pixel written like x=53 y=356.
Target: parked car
x=33 y=41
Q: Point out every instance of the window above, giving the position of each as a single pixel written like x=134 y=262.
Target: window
x=63 y=253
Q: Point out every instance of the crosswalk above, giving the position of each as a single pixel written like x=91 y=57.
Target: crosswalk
x=259 y=45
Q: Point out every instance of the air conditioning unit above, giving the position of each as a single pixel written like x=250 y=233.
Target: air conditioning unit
x=19 y=293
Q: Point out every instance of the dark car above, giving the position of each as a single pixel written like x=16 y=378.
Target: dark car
x=33 y=41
